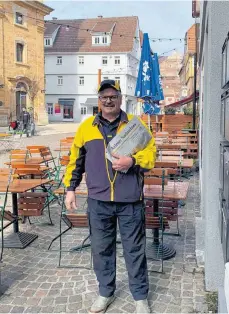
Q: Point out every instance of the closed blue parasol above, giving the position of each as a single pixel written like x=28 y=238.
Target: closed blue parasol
x=149 y=86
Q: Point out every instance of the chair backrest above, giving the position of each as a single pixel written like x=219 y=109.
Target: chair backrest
x=64 y=160
x=31 y=203
x=28 y=169
x=169 y=147
x=155 y=181
x=166 y=164
x=156 y=172
x=18 y=155
x=171 y=158
x=77 y=220
x=65 y=145
x=45 y=152
x=35 y=149
x=165 y=152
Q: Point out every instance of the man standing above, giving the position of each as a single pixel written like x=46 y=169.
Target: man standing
x=112 y=196
x=25 y=118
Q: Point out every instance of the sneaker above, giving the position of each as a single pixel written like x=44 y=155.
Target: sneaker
x=142 y=306
x=101 y=304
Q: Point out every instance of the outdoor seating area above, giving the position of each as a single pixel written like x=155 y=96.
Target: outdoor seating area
x=34 y=178
x=35 y=220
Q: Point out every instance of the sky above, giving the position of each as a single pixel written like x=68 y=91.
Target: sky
x=160 y=19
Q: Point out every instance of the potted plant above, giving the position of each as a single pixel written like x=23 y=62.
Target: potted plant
x=170 y=110
x=188 y=110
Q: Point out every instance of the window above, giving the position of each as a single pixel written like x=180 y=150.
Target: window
x=117 y=60
x=48 y=42
x=19 y=18
x=104 y=39
x=81 y=80
x=50 y=108
x=97 y=40
x=117 y=79
x=59 y=80
x=81 y=60
x=83 y=110
x=19 y=52
x=104 y=61
x=59 y=60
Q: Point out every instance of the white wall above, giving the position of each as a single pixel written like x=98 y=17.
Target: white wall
x=71 y=70
x=215 y=32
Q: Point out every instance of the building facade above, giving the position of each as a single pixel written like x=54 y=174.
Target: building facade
x=170 y=67
x=75 y=51
x=187 y=69
x=22 y=59
x=212 y=232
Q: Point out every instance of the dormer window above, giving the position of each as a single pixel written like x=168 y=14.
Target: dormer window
x=103 y=40
x=48 y=42
x=97 y=40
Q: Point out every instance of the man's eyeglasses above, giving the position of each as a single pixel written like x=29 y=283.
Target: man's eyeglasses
x=105 y=98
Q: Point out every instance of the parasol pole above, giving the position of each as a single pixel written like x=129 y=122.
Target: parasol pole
x=149 y=121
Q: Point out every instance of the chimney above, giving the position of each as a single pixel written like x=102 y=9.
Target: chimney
x=54 y=18
x=100 y=16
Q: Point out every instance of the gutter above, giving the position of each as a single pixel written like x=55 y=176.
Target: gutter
x=203 y=26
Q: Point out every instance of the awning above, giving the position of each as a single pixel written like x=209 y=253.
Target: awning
x=66 y=101
x=184 y=101
x=91 y=102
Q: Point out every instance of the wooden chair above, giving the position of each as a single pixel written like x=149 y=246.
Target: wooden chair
x=155 y=220
x=5 y=215
x=18 y=155
x=169 y=207
x=73 y=220
x=32 y=170
x=32 y=204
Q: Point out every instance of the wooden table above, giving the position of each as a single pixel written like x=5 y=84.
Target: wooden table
x=174 y=191
x=185 y=163
x=18 y=239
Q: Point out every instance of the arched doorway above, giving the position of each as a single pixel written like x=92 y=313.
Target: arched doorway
x=21 y=95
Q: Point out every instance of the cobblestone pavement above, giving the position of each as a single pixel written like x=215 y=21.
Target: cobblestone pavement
x=32 y=282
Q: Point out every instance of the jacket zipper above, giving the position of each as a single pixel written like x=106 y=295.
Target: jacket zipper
x=108 y=175
x=112 y=182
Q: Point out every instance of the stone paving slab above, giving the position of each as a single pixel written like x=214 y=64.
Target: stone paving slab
x=33 y=283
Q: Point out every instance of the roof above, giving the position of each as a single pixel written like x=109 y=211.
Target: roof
x=78 y=38
x=103 y=27
x=50 y=29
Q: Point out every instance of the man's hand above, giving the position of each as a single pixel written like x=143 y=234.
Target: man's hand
x=70 y=200
x=121 y=163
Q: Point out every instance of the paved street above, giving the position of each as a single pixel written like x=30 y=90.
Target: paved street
x=34 y=284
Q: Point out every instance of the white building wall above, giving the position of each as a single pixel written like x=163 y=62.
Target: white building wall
x=212 y=37
x=71 y=70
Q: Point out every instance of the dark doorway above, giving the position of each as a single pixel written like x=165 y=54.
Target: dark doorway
x=95 y=110
x=21 y=96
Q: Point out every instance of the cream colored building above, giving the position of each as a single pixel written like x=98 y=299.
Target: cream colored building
x=22 y=59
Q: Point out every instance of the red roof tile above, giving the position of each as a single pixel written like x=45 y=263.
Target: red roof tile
x=79 y=39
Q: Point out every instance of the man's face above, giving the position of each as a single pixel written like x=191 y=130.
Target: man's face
x=110 y=101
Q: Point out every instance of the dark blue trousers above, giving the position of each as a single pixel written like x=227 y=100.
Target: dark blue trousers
x=103 y=217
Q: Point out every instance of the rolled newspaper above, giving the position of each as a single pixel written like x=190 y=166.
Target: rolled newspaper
x=133 y=138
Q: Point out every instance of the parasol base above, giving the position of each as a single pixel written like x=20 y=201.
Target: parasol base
x=158 y=251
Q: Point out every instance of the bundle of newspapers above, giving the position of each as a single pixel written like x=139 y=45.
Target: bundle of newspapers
x=133 y=138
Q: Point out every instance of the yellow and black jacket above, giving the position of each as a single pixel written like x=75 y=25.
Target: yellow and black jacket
x=88 y=156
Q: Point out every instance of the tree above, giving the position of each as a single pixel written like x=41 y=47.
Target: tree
x=33 y=90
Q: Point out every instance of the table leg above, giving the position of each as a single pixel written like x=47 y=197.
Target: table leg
x=15 y=211
x=156 y=250
x=18 y=240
